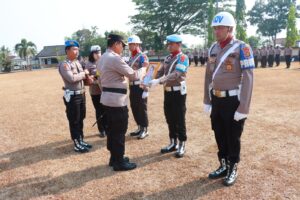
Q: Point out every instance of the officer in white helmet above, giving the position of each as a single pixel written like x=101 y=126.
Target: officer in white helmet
x=94 y=87
x=227 y=93
x=138 y=94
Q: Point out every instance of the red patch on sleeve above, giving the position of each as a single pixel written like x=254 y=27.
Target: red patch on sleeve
x=182 y=58
x=246 y=51
x=66 y=66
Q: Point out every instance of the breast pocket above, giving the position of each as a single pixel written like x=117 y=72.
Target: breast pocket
x=229 y=65
x=212 y=64
x=74 y=70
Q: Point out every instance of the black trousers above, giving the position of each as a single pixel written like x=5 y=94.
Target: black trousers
x=76 y=111
x=116 y=127
x=277 y=60
x=271 y=60
x=190 y=61
x=227 y=131
x=175 y=109
x=288 y=61
x=263 y=61
x=99 y=111
x=256 y=61
x=138 y=106
x=202 y=60
x=196 y=60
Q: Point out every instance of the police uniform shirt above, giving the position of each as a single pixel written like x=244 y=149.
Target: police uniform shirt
x=277 y=51
x=113 y=71
x=263 y=52
x=235 y=70
x=138 y=61
x=72 y=74
x=288 y=51
x=94 y=88
x=175 y=75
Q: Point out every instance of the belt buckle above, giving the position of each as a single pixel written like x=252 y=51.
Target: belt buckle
x=218 y=93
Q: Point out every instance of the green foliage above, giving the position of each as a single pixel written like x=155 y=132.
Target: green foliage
x=90 y=37
x=292 y=33
x=160 y=18
x=270 y=17
x=25 y=49
x=254 y=41
x=5 y=60
x=240 y=13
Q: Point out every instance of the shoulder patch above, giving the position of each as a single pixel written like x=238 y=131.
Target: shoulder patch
x=246 y=57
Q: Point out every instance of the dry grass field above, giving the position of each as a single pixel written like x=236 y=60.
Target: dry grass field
x=37 y=159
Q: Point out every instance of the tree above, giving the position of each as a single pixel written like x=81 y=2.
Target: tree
x=89 y=37
x=25 y=49
x=211 y=13
x=292 y=33
x=163 y=18
x=254 y=41
x=240 y=13
x=270 y=17
x=5 y=60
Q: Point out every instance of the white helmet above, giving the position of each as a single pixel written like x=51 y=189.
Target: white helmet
x=95 y=48
x=223 y=19
x=134 y=39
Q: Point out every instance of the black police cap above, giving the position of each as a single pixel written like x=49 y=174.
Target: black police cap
x=116 y=38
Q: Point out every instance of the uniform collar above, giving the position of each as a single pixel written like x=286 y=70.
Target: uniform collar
x=135 y=52
x=175 y=54
x=229 y=40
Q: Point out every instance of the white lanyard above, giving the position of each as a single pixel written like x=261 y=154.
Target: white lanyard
x=229 y=51
x=172 y=65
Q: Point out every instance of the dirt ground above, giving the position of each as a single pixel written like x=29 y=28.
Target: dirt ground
x=37 y=159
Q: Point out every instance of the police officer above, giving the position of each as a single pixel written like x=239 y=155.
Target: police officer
x=73 y=75
x=288 y=52
x=196 y=56
x=263 y=55
x=172 y=75
x=227 y=93
x=256 y=55
x=95 y=91
x=202 y=59
x=277 y=56
x=113 y=72
x=271 y=53
x=138 y=62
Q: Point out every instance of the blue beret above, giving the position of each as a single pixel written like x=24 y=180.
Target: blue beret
x=174 y=38
x=71 y=43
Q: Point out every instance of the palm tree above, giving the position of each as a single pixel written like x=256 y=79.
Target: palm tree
x=25 y=49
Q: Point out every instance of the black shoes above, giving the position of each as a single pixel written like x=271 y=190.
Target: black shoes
x=143 y=133
x=181 y=150
x=123 y=165
x=220 y=172
x=78 y=147
x=136 y=132
x=232 y=174
x=170 y=148
x=111 y=161
x=102 y=134
x=83 y=143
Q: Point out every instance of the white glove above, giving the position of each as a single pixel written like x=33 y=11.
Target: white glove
x=239 y=116
x=154 y=82
x=207 y=108
x=145 y=95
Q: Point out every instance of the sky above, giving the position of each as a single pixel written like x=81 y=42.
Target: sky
x=48 y=22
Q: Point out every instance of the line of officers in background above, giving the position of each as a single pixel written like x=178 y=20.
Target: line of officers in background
x=268 y=56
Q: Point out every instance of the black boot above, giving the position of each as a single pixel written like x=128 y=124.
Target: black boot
x=171 y=147
x=181 y=150
x=111 y=161
x=102 y=134
x=220 y=172
x=231 y=174
x=86 y=145
x=143 y=133
x=79 y=148
x=123 y=165
x=136 y=132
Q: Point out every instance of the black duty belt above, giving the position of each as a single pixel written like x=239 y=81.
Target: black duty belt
x=115 y=90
